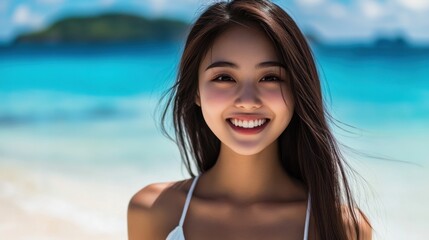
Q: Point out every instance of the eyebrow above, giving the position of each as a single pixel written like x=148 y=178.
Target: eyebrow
x=233 y=65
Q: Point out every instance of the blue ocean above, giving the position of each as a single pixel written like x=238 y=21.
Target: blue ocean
x=391 y=82
x=79 y=132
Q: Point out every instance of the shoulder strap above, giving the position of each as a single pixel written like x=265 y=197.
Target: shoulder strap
x=307 y=217
x=188 y=199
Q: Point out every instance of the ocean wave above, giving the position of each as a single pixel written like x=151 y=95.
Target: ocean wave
x=41 y=107
x=90 y=114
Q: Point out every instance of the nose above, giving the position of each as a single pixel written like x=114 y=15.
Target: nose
x=248 y=97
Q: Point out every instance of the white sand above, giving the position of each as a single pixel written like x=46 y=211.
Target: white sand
x=39 y=204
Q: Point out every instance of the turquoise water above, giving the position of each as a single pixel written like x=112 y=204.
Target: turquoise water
x=373 y=89
x=106 y=70
x=386 y=81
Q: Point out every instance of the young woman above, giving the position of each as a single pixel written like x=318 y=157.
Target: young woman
x=248 y=110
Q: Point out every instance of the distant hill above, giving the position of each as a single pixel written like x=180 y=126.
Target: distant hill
x=112 y=27
x=391 y=42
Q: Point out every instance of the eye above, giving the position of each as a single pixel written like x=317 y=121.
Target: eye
x=223 y=78
x=271 y=78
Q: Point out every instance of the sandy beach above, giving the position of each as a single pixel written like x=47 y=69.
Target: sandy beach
x=38 y=204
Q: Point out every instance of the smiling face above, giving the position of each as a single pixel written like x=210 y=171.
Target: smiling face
x=243 y=91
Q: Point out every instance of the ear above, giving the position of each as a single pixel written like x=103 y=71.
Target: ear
x=197 y=99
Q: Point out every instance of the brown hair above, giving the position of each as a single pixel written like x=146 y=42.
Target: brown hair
x=308 y=149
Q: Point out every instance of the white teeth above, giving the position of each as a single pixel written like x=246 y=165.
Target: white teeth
x=247 y=123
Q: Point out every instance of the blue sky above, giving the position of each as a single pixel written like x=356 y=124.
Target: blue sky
x=334 y=20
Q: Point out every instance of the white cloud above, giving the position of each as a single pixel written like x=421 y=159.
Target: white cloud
x=50 y=2
x=337 y=11
x=107 y=3
x=158 y=6
x=309 y=3
x=184 y=9
x=363 y=20
x=372 y=9
x=415 y=5
x=23 y=16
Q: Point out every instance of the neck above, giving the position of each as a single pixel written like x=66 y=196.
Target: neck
x=250 y=179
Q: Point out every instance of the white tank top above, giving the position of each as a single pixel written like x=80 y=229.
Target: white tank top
x=177 y=233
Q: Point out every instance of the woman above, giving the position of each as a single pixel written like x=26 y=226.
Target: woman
x=248 y=110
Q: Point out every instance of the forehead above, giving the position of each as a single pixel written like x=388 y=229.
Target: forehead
x=241 y=45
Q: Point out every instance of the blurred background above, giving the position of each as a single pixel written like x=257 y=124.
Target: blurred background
x=80 y=82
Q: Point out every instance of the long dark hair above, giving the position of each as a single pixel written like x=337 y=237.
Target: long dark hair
x=308 y=149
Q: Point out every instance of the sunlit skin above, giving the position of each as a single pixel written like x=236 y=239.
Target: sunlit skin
x=227 y=91
x=253 y=84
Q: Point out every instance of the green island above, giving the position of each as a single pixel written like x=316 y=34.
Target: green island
x=108 y=27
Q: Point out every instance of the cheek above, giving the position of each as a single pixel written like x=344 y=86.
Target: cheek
x=213 y=104
x=279 y=99
x=214 y=96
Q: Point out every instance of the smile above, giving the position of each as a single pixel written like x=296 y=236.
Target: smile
x=248 y=126
x=247 y=123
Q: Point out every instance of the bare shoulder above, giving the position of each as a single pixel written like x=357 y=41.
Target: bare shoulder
x=365 y=227
x=155 y=209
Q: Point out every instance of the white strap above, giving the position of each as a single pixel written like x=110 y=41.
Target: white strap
x=188 y=199
x=307 y=217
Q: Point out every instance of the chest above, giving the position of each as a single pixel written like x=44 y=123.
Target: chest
x=216 y=221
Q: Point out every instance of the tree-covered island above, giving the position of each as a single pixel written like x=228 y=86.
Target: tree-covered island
x=110 y=27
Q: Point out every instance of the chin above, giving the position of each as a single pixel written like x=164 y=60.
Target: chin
x=247 y=150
